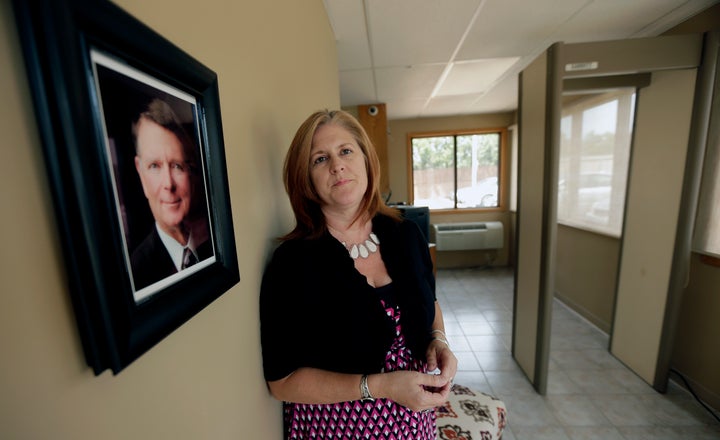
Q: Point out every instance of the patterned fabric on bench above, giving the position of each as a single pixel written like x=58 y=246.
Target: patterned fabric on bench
x=470 y=415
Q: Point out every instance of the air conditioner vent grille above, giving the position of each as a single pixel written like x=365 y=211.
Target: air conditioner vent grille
x=468 y=236
x=462 y=227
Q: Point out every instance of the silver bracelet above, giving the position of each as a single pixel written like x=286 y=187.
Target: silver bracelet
x=444 y=341
x=365 y=395
x=439 y=331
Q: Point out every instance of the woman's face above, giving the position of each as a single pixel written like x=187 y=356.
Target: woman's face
x=337 y=168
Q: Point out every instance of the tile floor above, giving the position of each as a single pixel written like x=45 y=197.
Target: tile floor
x=591 y=395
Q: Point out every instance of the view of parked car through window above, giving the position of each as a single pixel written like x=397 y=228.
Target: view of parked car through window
x=594 y=158
x=457 y=171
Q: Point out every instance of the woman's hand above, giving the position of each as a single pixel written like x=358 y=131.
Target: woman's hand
x=439 y=356
x=415 y=390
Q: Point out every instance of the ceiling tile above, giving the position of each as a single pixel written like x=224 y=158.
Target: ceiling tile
x=501 y=31
x=448 y=105
x=408 y=43
x=474 y=76
x=356 y=87
x=502 y=97
x=685 y=11
x=407 y=82
x=405 y=108
x=621 y=19
x=408 y=32
x=348 y=23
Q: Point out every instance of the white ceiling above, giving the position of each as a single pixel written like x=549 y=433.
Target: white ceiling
x=450 y=57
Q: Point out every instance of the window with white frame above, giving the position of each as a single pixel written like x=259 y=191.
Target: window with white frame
x=456 y=170
x=596 y=132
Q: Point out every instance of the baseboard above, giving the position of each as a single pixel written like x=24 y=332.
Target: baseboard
x=584 y=313
x=706 y=395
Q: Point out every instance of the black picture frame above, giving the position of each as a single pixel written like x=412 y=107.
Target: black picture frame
x=90 y=66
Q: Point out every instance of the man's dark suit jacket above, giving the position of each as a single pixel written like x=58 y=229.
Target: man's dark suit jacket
x=151 y=261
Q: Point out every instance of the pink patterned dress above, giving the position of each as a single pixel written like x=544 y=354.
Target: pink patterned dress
x=381 y=419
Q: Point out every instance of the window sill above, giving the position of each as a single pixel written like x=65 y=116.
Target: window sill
x=467 y=210
x=710 y=260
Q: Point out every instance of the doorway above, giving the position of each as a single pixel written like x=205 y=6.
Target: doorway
x=595 y=149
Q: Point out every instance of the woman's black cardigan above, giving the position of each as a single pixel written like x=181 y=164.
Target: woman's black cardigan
x=317 y=310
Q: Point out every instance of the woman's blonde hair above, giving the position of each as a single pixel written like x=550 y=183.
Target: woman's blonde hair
x=304 y=199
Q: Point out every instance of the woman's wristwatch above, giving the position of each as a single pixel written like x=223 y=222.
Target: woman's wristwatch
x=365 y=395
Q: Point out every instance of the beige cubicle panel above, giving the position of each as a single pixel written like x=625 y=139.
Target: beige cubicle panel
x=538 y=148
x=653 y=201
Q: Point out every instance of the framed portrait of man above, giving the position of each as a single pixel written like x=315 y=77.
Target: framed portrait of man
x=132 y=140
x=152 y=136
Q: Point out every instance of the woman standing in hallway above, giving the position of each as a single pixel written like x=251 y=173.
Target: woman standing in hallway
x=350 y=324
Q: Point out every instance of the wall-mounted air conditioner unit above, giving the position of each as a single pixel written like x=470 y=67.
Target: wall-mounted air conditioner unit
x=468 y=236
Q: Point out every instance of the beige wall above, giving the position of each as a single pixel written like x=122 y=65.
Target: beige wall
x=398 y=130
x=586 y=273
x=204 y=381
x=696 y=354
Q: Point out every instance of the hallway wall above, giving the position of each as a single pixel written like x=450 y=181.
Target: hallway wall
x=204 y=381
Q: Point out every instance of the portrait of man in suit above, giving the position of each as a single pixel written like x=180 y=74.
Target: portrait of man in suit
x=168 y=169
x=156 y=158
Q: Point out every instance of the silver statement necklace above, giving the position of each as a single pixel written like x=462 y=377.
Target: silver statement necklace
x=370 y=246
x=361 y=250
